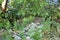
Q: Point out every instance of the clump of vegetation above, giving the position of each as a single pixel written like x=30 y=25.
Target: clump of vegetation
x=23 y=12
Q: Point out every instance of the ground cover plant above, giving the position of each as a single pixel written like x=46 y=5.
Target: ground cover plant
x=30 y=20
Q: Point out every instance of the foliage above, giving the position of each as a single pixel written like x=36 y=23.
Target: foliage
x=27 y=10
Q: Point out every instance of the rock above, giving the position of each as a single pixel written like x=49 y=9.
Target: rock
x=28 y=38
x=16 y=37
